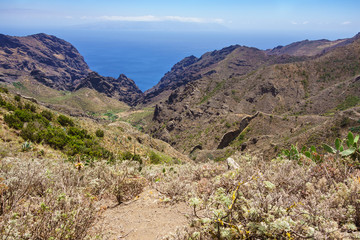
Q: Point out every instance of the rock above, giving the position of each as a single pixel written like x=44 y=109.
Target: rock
x=50 y=60
x=122 y=88
x=232 y=164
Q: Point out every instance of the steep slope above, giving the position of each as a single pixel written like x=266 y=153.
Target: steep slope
x=200 y=114
x=237 y=60
x=50 y=60
x=57 y=64
x=123 y=88
x=26 y=120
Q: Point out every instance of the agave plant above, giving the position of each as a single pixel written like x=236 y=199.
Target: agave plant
x=352 y=150
x=26 y=146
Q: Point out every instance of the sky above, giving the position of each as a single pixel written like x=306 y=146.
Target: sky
x=336 y=16
x=144 y=38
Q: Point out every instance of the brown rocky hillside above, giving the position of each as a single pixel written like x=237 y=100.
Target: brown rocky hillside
x=204 y=112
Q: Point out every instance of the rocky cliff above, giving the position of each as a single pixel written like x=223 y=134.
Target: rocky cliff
x=124 y=89
x=50 y=60
x=57 y=64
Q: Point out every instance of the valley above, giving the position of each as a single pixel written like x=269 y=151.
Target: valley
x=81 y=151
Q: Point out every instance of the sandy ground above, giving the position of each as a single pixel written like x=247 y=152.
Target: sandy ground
x=145 y=218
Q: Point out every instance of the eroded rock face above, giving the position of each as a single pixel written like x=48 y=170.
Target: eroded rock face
x=50 y=60
x=122 y=88
x=231 y=136
x=57 y=64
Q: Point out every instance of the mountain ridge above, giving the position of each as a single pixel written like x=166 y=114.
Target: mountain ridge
x=57 y=64
x=284 y=86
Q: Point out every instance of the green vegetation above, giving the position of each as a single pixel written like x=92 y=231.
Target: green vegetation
x=210 y=94
x=19 y=85
x=99 y=133
x=350 y=101
x=355 y=129
x=65 y=121
x=140 y=118
x=353 y=150
x=4 y=90
x=47 y=114
x=111 y=116
x=61 y=134
x=87 y=100
x=17 y=98
x=160 y=158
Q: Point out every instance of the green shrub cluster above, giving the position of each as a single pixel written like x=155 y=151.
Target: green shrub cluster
x=65 y=121
x=7 y=105
x=4 y=90
x=155 y=158
x=129 y=156
x=39 y=127
x=99 y=133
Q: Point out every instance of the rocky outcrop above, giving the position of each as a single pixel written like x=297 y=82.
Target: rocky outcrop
x=231 y=136
x=50 y=60
x=122 y=88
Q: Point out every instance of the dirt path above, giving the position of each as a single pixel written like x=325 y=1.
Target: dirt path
x=146 y=218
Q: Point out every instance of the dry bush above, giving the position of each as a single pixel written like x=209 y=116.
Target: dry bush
x=125 y=182
x=279 y=199
x=53 y=199
x=180 y=182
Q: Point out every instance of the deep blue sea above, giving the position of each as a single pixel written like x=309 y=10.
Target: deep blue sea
x=145 y=56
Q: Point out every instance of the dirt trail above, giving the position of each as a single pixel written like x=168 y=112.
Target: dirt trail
x=146 y=218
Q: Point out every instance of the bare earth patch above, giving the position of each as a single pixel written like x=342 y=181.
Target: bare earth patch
x=146 y=218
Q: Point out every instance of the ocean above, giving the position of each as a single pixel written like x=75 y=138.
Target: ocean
x=145 y=56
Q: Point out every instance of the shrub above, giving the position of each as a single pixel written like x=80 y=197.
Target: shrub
x=24 y=115
x=65 y=121
x=78 y=133
x=4 y=90
x=279 y=199
x=17 y=98
x=34 y=206
x=99 y=133
x=56 y=138
x=13 y=121
x=47 y=114
x=30 y=107
x=10 y=107
x=2 y=102
x=33 y=132
x=123 y=187
x=155 y=158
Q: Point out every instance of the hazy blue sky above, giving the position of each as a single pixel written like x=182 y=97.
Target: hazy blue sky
x=239 y=15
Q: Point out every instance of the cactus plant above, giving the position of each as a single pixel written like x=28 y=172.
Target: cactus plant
x=352 y=144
